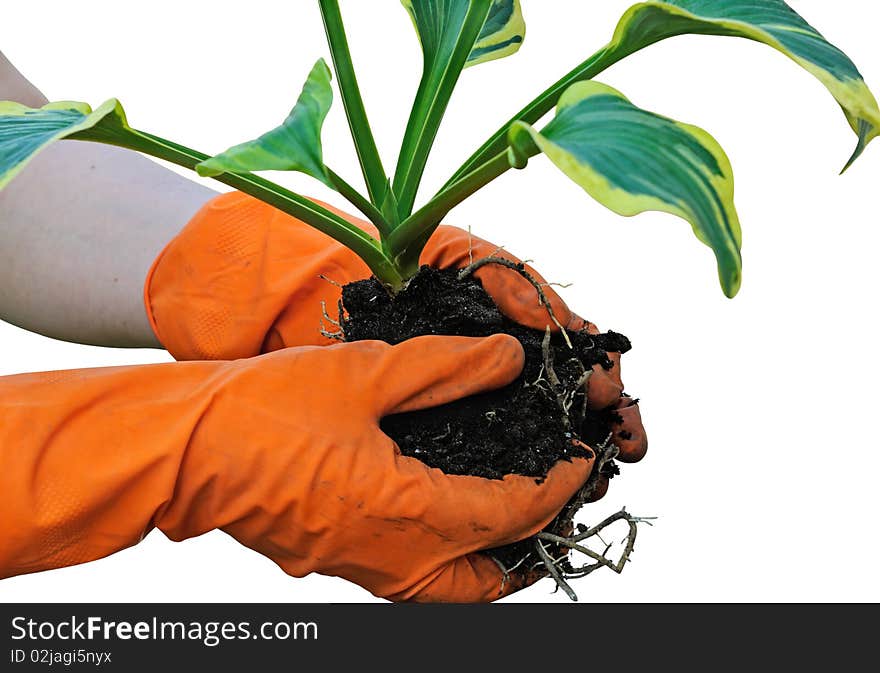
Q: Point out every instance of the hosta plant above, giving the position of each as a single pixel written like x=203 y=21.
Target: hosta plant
x=629 y=159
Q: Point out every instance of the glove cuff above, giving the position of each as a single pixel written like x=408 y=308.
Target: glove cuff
x=198 y=290
x=242 y=278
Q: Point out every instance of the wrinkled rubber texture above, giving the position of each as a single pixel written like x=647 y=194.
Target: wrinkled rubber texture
x=283 y=452
x=244 y=278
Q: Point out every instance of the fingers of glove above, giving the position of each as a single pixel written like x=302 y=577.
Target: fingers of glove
x=374 y=379
x=629 y=435
x=515 y=296
x=484 y=513
x=605 y=385
x=473 y=578
x=433 y=370
x=518 y=299
x=487 y=514
x=577 y=324
x=600 y=489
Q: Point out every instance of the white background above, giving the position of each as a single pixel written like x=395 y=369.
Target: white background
x=762 y=469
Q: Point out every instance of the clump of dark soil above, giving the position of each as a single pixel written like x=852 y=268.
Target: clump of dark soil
x=519 y=429
x=522 y=428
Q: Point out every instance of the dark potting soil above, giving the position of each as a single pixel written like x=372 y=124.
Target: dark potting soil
x=519 y=429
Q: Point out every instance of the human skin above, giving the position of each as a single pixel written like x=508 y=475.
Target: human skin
x=79 y=229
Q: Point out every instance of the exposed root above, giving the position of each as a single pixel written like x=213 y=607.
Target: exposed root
x=505 y=573
x=336 y=336
x=520 y=268
x=339 y=334
x=586 y=551
x=330 y=280
x=332 y=321
x=562 y=379
x=560 y=568
x=584 y=382
x=548 y=361
x=445 y=434
x=553 y=380
x=551 y=565
x=565 y=398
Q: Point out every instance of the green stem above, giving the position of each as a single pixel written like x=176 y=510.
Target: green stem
x=360 y=242
x=432 y=99
x=361 y=133
x=356 y=199
x=407 y=241
x=540 y=106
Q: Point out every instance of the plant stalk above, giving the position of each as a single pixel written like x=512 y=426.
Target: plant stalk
x=403 y=242
x=358 y=123
x=429 y=107
x=360 y=242
x=544 y=103
x=356 y=199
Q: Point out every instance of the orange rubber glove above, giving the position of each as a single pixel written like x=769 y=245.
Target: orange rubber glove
x=244 y=278
x=283 y=452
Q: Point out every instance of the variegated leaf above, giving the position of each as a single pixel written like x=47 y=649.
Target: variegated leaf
x=771 y=22
x=502 y=34
x=453 y=35
x=438 y=24
x=25 y=131
x=293 y=146
x=632 y=161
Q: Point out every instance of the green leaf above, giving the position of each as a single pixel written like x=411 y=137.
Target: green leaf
x=352 y=102
x=502 y=34
x=453 y=35
x=25 y=131
x=633 y=161
x=293 y=146
x=771 y=22
x=439 y=22
x=389 y=205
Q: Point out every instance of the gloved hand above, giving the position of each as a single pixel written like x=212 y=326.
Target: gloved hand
x=244 y=278
x=283 y=452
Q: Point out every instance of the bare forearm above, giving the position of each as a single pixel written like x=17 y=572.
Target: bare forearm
x=79 y=229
